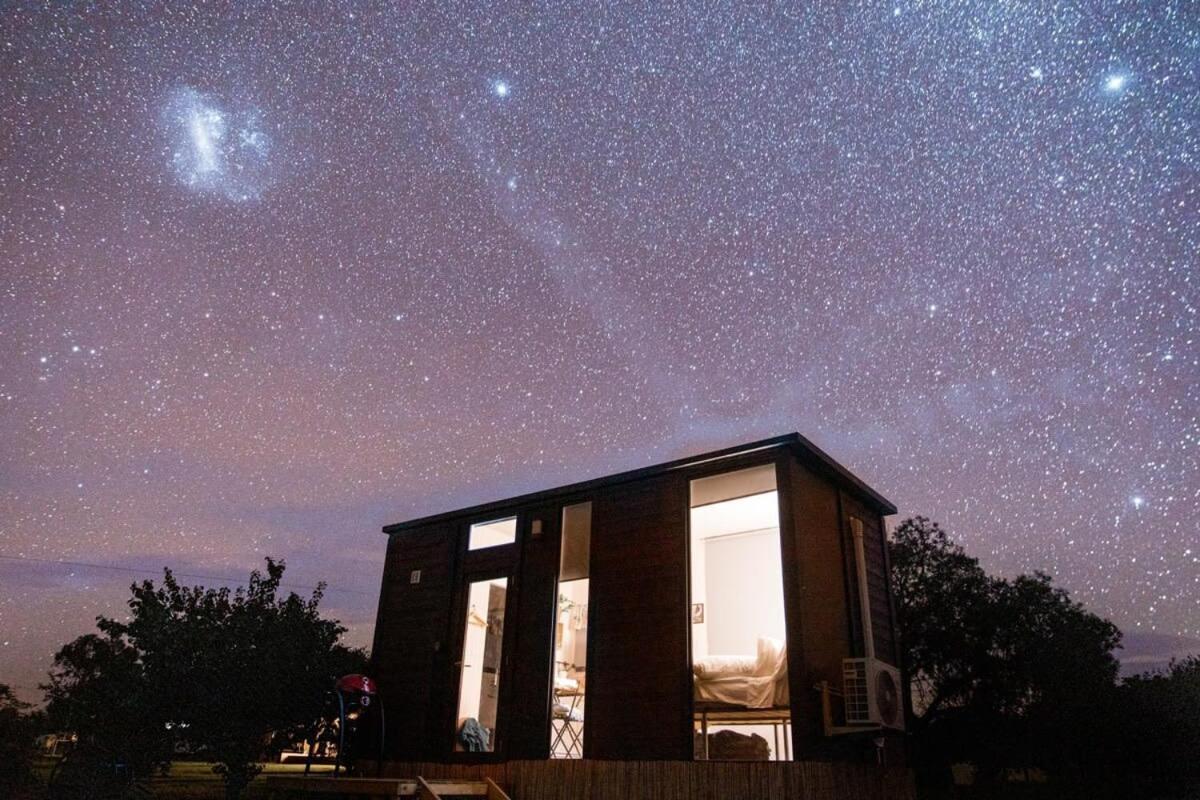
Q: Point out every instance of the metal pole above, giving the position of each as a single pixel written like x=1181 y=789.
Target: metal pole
x=382 y=733
x=864 y=592
x=337 y=762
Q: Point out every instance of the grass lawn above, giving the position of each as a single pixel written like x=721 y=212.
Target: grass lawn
x=195 y=780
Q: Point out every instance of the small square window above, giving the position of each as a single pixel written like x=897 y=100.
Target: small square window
x=492 y=534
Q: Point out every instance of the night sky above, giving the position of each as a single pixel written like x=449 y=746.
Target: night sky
x=273 y=276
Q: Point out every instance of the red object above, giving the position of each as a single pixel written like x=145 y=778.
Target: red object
x=356 y=684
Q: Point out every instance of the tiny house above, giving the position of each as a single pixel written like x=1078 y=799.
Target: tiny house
x=732 y=606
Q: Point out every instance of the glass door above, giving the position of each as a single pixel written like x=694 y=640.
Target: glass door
x=479 y=669
x=489 y=555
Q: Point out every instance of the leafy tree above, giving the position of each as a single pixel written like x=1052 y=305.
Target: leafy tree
x=16 y=743
x=245 y=672
x=98 y=690
x=236 y=675
x=943 y=607
x=1157 y=722
x=1006 y=673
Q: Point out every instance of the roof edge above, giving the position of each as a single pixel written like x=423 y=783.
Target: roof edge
x=881 y=503
x=788 y=440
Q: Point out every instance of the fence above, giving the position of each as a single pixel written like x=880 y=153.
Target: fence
x=678 y=780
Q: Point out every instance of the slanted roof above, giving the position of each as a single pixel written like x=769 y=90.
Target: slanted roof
x=804 y=449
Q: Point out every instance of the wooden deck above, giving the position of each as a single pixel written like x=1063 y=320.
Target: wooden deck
x=564 y=779
x=287 y=786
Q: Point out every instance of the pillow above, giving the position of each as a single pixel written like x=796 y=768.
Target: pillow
x=772 y=657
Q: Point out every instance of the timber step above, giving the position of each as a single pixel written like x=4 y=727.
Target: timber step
x=423 y=788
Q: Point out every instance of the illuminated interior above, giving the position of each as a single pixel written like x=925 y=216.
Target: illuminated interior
x=479 y=685
x=493 y=533
x=569 y=689
x=739 y=638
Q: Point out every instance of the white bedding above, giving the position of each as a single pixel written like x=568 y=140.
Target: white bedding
x=758 y=681
x=718 y=666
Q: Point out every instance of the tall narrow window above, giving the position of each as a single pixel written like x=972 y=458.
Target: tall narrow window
x=479 y=685
x=739 y=639
x=570 y=634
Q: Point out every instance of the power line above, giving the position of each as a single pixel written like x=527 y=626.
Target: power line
x=137 y=571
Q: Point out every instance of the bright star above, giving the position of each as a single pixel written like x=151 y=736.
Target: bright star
x=1138 y=501
x=512 y=184
x=500 y=89
x=1036 y=73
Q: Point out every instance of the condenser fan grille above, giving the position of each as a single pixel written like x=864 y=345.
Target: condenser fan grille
x=887 y=697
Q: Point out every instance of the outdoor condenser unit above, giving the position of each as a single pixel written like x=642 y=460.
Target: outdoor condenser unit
x=871 y=690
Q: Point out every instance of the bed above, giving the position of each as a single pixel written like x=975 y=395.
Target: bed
x=744 y=691
x=757 y=681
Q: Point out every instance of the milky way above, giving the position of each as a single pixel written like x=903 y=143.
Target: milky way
x=273 y=277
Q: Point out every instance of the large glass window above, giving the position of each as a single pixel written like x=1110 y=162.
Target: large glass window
x=739 y=639
x=479 y=686
x=570 y=634
x=493 y=533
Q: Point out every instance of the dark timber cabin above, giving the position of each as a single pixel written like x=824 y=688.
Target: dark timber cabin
x=732 y=606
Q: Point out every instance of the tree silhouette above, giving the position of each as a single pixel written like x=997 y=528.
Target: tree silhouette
x=16 y=737
x=235 y=675
x=1005 y=673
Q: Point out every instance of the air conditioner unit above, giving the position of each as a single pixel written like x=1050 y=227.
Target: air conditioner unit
x=871 y=689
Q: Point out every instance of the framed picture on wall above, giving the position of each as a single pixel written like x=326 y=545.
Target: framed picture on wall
x=697 y=613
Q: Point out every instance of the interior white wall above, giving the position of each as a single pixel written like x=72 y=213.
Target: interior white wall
x=744 y=585
x=737 y=573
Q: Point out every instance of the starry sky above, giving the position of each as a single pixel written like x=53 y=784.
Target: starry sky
x=272 y=276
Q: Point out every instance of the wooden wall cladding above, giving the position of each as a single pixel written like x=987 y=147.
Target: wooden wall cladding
x=638 y=678
x=670 y=780
x=409 y=658
x=528 y=720
x=820 y=604
x=875 y=545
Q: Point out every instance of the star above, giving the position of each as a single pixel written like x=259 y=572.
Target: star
x=710 y=230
